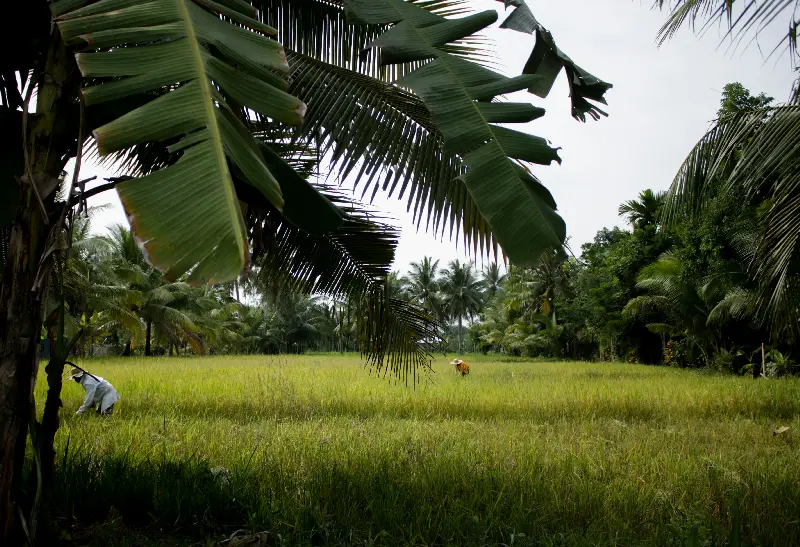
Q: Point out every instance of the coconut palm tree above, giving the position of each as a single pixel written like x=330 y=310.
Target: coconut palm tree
x=462 y=294
x=91 y=292
x=162 y=307
x=396 y=286
x=750 y=154
x=645 y=210
x=423 y=285
x=493 y=280
x=749 y=157
x=680 y=303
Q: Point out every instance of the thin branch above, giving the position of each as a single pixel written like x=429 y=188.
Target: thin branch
x=97 y=189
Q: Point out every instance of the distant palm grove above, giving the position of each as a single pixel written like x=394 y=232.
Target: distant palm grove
x=675 y=288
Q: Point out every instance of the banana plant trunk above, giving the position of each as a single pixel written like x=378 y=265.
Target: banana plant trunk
x=20 y=326
x=51 y=134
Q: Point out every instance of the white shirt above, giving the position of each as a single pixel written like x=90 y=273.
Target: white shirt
x=97 y=391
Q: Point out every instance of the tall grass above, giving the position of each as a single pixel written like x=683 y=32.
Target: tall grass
x=318 y=451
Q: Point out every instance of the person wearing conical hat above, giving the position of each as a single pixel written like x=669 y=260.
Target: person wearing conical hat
x=461 y=366
x=99 y=393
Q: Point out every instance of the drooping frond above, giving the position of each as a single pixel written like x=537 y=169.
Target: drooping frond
x=519 y=210
x=744 y=20
x=385 y=138
x=547 y=61
x=739 y=303
x=351 y=263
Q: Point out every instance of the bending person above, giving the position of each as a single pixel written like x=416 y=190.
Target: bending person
x=99 y=393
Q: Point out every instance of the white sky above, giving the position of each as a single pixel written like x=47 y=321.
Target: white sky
x=661 y=104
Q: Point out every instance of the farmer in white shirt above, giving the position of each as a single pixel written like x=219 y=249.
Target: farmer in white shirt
x=99 y=393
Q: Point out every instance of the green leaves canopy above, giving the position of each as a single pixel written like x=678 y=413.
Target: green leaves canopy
x=752 y=157
x=202 y=71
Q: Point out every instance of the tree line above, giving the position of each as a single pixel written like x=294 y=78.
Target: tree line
x=124 y=306
x=691 y=283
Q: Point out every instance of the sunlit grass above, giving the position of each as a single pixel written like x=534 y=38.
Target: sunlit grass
x=321 y=451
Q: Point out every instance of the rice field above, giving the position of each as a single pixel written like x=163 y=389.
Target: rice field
x=316 y=450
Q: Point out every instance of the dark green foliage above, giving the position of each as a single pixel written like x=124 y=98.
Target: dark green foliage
x=737 y=99
x=694 y=282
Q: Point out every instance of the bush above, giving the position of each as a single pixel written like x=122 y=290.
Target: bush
x=722 y=361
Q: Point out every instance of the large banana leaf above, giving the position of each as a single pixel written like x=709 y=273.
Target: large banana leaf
x=203 y=71
x=520 y=211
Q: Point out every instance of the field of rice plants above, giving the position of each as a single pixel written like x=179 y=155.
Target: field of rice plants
x=316 y=450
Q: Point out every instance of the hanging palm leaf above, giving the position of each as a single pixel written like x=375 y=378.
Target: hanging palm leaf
x=202 y=70
x=751 y=18
x=385 y=137
x=547 y=61
x=352 y=262
x=457 y=92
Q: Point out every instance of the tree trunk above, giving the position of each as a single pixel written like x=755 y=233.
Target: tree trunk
x=20 y=326
x=126 y=352
x=459 y=335
x=50 y=422
x=757 y=367
x=51 y=138
x=51 y=338
x=147 y=338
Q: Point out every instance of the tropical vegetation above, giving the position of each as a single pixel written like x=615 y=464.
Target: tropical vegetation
x=686 y=285
x=216 y=115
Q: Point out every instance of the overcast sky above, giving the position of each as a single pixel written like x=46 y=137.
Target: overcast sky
x=661 y=104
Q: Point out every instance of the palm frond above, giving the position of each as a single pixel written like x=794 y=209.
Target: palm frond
x=386 y=137
x=739 y=303
x=352 y=262
x=641 y=304
x=744 y=24
x=319 y=29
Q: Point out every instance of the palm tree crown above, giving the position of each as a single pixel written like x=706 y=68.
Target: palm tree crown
x=462 y=294
x=493 y=280
x=644 y=211
x=423 y=285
